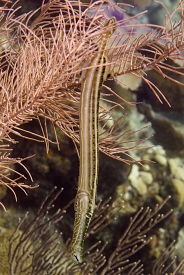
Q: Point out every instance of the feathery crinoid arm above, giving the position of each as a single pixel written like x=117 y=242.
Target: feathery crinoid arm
x=42 y=61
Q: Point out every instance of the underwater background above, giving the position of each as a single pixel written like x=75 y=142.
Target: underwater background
x=129 y=186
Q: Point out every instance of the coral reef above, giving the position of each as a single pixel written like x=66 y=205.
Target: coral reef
x=5 y=235
x=161 y=171
x=50 y=256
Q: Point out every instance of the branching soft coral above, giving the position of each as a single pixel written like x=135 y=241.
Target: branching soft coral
x=42 y=60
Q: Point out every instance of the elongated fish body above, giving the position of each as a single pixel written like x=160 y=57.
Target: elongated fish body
x=92 y=80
